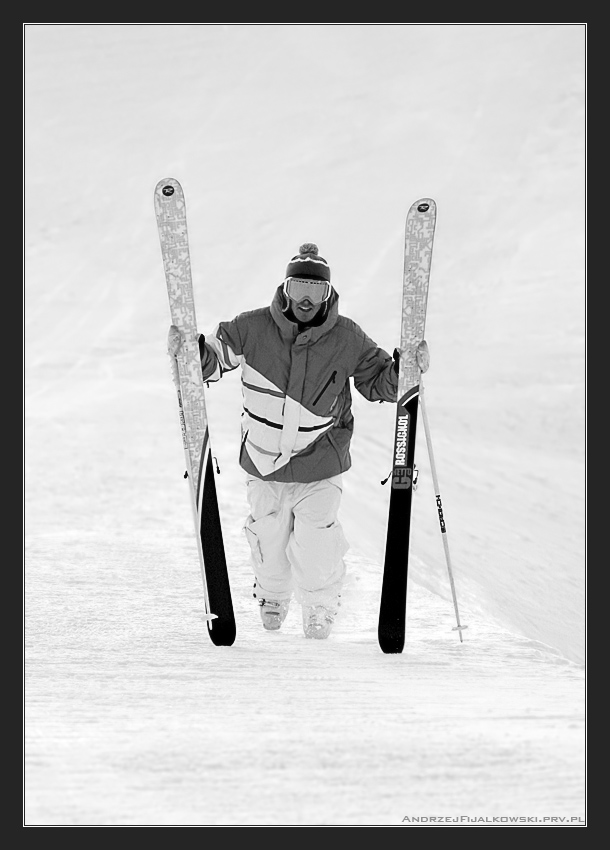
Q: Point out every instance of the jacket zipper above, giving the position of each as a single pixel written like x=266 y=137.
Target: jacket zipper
x=330 y=381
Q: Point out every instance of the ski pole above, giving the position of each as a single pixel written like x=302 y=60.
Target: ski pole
x=459 y=628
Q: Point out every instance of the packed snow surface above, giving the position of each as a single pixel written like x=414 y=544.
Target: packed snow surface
x=280 y=134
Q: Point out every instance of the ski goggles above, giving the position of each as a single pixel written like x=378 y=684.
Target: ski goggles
x=299 y=288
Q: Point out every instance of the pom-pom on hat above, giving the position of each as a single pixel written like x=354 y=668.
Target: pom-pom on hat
x=308 y=263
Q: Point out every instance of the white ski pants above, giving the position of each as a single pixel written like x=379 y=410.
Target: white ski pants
x=296 y=540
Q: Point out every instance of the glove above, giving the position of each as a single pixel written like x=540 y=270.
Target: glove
x=422 y=356
x=174 y=340
x=174 y=344
x=396 y=356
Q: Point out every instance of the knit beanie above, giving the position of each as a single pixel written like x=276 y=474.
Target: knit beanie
x=308 y=263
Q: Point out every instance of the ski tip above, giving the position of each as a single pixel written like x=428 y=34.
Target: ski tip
x=425 y=205
x=168 y=187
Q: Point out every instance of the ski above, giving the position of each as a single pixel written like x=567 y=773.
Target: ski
x=419 y=237
x=170 y=210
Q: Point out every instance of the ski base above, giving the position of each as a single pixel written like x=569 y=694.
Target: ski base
x=392 y=611
x=222 y=628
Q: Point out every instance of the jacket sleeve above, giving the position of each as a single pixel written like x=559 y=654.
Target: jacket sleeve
x=220 y=351
x=375 y=377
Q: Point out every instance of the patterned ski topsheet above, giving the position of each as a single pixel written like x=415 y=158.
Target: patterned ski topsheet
x=170 y=209
x=419 y=237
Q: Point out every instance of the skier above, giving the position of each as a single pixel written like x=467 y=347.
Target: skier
x=297 y=357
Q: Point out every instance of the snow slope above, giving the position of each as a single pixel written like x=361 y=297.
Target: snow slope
x=281 y=134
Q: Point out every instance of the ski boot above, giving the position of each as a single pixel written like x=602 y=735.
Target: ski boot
x=318 y=621
x=273 y=612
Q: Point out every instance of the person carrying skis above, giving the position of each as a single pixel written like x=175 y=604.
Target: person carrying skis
x=297 y=357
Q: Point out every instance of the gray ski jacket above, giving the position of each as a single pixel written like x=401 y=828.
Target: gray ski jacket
x=297 y=420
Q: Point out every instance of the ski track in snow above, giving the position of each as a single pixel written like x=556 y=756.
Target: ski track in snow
x=132 y=716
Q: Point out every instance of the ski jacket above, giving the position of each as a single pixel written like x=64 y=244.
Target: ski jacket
x=297 y=420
